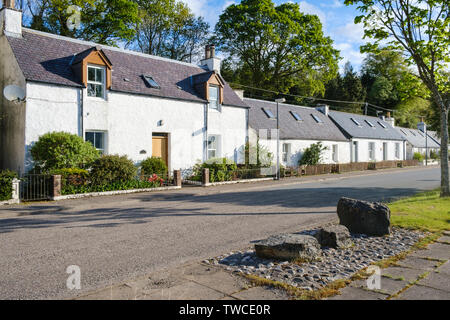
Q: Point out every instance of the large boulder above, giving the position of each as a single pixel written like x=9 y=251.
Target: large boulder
x=370 y=218
x=335 y=236
x=288 y=247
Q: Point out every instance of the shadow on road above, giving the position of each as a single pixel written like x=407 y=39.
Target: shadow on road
x=249 y=203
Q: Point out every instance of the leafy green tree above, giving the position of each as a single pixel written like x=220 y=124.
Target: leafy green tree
x=101 y=21
x=346 y=88
x=59 y=150
x=420 y=29
x=388 y=79
x=276 y=47
x=312 y=155
x=168 y=28
x=408 y=112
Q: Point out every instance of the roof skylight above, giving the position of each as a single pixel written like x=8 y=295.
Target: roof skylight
x=356 y=122
x=318 y=120
x=382 y=124
x=268 y=113
x=149 y=81
x=370 y=123
x=296 y=116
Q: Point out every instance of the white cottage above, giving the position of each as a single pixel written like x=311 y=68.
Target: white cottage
x=372 y=139
x=300 y=127
x=124 y=102
x=417 y=141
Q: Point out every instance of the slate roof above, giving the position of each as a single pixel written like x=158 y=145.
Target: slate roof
x=364 y=130
x=47 y=58
x=290 y=128
x=417 y=138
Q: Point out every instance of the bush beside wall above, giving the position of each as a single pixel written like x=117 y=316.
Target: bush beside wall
x=6 y=179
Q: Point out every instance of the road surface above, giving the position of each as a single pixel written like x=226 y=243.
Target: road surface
x=113 y=239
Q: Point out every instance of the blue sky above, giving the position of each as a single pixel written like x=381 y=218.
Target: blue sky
x=336 y=18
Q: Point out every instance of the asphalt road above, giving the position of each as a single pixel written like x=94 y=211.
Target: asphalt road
x=113 y=239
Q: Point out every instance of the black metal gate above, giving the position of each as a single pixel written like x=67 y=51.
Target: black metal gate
x=34 y=187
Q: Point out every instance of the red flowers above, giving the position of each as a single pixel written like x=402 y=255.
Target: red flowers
x=155 y=178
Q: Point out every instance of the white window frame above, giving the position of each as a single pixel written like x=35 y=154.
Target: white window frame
x=216 y=149
x=397 y=150
x=97 y=83
x=335 y=152
x=104 y=138
x=213 y=106
x=285 y=152
x=371 y=151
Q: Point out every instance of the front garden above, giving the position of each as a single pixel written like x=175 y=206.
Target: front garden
x=84 y=170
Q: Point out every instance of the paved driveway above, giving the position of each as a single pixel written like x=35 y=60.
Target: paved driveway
x=113 y=239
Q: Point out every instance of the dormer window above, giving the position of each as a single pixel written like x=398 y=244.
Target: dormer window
x=96 y=81
x=214 y=97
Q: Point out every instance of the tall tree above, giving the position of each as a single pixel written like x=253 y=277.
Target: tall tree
x=101 y=21
x=169 y=28
x=277 y=47
x=421 y=30
x=388 y=79
x=347 y=87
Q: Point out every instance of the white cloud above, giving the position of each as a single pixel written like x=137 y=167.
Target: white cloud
x=350 y=31
x=306 y=7
x=333 y=4
x=349 y=53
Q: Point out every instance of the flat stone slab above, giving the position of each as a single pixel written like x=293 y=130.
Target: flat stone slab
x=186 y=291
x=418 y=263
x=352 y=293
x=444 y=239
x=399 y=272
x=444 y=269
x=423 y=293
x=261 y=293
x=439 y=251
x=387 y=285
x=437 y=281
x=288 y=247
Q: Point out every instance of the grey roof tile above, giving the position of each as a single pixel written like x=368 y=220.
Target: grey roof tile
x=47 y=58
x=290 y=128
x=417 y=138
x=364 y=130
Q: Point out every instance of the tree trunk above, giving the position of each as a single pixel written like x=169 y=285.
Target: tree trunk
x=445 y=188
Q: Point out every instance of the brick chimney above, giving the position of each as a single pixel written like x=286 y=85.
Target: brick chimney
x=211 y=62
x=390 y=120
x=10 y=20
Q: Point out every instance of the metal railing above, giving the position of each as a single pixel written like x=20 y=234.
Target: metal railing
x=35 y=187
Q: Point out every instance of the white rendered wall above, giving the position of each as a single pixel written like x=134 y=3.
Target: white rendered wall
x=363 y=150
x=231 y=124
x=130 y=121
x=297 y=148
x=49 y=108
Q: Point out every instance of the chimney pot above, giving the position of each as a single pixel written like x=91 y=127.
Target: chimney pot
x=212 y=49
x=10 y=4
x=207 y=52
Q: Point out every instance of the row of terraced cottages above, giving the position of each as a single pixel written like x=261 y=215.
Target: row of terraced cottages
x=140 y=105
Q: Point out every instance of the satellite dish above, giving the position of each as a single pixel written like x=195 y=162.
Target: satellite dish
x=14 y=93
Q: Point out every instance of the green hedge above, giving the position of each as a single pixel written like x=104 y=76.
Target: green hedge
x=6 y=178
x=219 y=170
x=153 y=165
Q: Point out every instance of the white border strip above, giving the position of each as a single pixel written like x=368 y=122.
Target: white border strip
x=12 y=201
x=111 y=193
x=237 y=181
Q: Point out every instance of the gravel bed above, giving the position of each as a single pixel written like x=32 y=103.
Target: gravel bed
x=335 y=263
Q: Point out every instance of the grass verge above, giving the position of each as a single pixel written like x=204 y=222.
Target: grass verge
x=425 y=211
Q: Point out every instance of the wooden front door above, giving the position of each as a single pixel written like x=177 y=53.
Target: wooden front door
x=160 y=147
